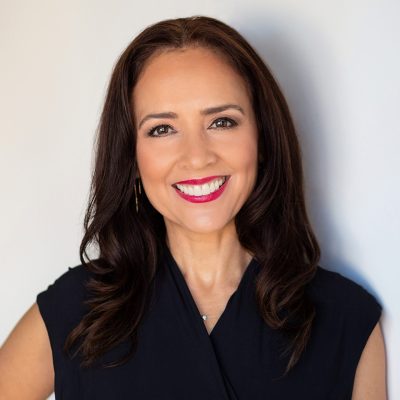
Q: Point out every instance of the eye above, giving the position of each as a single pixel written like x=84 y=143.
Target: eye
x=155 y=129
x=158 y=132
x=224 y=120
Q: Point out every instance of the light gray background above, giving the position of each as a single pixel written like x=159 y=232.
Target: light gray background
x=338 y=65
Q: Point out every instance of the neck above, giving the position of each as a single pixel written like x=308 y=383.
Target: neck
x=212 y=261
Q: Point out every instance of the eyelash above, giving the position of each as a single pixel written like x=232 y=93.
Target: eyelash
x=234 y=123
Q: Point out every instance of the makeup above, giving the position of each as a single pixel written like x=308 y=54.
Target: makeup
x=202 y=198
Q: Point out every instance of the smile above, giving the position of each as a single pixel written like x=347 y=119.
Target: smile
x=202 y=193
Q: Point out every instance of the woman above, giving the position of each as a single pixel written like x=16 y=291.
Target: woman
x=207 y=285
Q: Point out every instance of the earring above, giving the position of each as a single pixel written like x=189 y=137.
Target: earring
x=136 y=197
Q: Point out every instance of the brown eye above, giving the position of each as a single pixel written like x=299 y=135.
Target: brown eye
x=160 y=132
x=222 y=123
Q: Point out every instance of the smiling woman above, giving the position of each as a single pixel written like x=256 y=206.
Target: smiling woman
x=207 y=285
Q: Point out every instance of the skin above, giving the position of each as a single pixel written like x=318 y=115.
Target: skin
x=201 y=237
x=370 y=378
x=26 y=365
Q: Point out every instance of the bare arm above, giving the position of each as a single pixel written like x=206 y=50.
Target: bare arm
x=26 y=364
x=370 y=378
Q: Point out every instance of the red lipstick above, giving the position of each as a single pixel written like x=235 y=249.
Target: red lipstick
x=206 y=197
x=199 y=181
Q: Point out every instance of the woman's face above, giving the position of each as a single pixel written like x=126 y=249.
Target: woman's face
x=192 y=143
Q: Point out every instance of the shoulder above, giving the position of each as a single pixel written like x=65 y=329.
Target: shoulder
x=70 y=286
x=332 y=289
x=348 y=319
x=61 y=304
x=346 y=315
x=346 y=312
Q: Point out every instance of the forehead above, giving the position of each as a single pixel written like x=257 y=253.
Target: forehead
x=194 y=76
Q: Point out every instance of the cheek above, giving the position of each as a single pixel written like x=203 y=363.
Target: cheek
x=244 y=152
x=151 y=163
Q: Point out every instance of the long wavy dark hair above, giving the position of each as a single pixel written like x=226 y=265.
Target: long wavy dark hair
x=272 y=224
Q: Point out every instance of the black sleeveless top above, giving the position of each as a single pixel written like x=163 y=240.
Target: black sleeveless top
x=177 y=359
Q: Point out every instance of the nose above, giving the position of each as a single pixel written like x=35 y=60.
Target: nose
x=197 y=151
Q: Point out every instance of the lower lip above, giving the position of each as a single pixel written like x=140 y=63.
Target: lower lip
x=205 y=198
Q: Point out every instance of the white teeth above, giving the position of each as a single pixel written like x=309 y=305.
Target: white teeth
x=201 y=190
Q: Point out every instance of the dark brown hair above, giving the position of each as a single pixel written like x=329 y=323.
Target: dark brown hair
x=272 y=224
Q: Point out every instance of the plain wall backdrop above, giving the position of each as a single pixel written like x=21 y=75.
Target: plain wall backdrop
x=337 y=63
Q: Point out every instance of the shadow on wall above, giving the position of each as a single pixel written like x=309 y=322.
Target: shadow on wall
x=314 y=108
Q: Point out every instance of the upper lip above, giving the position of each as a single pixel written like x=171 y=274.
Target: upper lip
x=199 y=181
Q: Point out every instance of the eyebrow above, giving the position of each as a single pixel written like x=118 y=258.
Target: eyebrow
x=206 y=111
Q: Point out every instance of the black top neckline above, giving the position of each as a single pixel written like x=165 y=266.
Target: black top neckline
x=183 y=286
